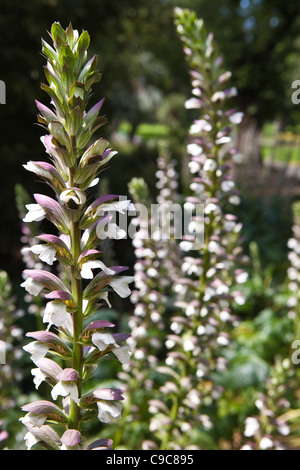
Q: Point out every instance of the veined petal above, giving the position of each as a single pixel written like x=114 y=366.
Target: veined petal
x=47 y=171
x=35 y=213
x=46 y=112
x=92 y=327
x=64 y=389
x=123 y=353
x=91 y=233
x=120 y=285
x=110 y=394
x=44 y=433
x=30 y=440
x=103 y=340
x=32 y=287
x=68 y=375
x=59 y=244
x=44 y=339
x=33 y=419
x=55 y=313
x=54 y=211
x=109 y=412
x=45 y=279
x=46 y=253
x=41 y=407
x=71 y=438
x=50 y=368
x=37 y=350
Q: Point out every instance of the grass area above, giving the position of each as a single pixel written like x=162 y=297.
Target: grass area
x=280 y=146
x=147 y=131
x=281 y=153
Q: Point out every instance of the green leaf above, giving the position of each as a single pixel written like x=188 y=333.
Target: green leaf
x=89 y=67
x=93 y=77
x=67 y=77
x=58 y=32
x=66 y=56
x=55 y=83
x=245 y=370
x=70 y=35
x=49 y=52
x=58 y=104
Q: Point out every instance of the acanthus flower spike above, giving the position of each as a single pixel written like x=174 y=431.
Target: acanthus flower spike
x=75 y=163
x=208 y=290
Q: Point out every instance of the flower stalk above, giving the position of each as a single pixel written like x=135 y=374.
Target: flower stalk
x=78 y=292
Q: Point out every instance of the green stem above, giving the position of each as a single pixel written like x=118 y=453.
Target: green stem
x=77 y=362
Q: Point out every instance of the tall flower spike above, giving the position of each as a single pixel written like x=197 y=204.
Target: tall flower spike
x=75 y=164
x=207 y=291
x=157 y=262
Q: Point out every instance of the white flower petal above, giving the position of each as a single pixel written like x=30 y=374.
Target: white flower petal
x=210 y=165
x=86 y=269
x=37 y=350
x=55 y=313
x=194 y=149
x=65 y=389
x=39 y=377
x=33 y=287
x=94 y=182
x=103 y=340
x=30 y=440
x=109 y=412
x=236 y=118
x=104 y=296
x=35 y=213
x=33 y=419
x=251 y=426
x=46 y=253
x=123 y=353
x=120 y=285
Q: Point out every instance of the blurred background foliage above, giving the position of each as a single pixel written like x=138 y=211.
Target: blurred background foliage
x=145 y=80
x=145 y=83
